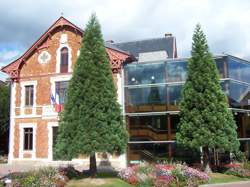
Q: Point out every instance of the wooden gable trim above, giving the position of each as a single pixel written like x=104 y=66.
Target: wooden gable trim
x=116 y=59
x=13 y=69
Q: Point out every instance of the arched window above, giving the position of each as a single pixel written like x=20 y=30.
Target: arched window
x=64 y=60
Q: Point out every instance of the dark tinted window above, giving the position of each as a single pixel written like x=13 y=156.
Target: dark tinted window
x=28 y=138
x=64 y=60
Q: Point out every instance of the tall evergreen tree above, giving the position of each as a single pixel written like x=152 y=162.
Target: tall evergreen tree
x=92 y=120
x=205 y=120
x=4 y=117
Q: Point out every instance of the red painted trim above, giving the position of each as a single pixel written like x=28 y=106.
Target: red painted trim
x=14 y=67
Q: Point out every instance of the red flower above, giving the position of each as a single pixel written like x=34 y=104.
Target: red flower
x=233 y=165
x=164 y=167
x=132 y=180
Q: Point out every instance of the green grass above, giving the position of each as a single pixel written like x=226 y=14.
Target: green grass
x=104 y=182
x=111 y=180
x=105 y=179
x=223 y=178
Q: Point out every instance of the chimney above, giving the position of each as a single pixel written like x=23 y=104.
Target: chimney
x=168 y=35
x=110 y=41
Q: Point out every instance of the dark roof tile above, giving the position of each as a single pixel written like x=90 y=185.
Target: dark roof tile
x=150 y=45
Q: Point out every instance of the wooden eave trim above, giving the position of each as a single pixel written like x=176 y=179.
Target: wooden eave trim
x=41 y=39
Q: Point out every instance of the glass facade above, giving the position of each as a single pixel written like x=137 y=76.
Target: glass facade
x=239 y=95
x=152 y=92
x=176 y=71
x=238 y=69
x=140 y=74
x=148 y=128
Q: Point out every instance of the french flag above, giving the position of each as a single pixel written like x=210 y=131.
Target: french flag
x=55 y=101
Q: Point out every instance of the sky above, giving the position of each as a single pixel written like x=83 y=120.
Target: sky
x=226 y=23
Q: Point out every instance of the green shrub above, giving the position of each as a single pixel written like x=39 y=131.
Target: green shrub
x=240 y=157
x=1 y=184
x=31 y=180
x=146 y=183
x=239 y=172
x=43 y=177
x=246 y=165
x=69 y=171
x=179 y=176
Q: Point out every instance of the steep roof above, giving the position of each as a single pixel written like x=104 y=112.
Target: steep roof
x=167 y=44
x=114 y=47
x=13 y=69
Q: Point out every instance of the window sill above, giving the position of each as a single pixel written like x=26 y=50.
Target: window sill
x=28 y=151
x=28 y=106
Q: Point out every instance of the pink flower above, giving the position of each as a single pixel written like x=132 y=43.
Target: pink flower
x=164 y=167
x=190 y=172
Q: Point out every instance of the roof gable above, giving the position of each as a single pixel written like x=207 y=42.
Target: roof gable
x=13 y=69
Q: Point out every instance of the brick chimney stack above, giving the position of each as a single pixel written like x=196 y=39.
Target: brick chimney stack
x=168 y=35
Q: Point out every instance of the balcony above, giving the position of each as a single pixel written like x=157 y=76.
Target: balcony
x=149 y=133
x=48 y=111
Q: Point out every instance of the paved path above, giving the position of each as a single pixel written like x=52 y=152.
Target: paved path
x=234 y=184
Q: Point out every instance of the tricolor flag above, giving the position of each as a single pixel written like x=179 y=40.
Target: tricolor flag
x=55 y=101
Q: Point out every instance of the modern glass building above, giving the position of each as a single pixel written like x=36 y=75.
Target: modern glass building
x=152 y=92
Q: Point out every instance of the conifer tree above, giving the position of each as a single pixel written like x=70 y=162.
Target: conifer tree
x=92 y=120
x=205 y=120
x=4 y=117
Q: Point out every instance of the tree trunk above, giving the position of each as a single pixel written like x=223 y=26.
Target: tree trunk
x=92 y=165
x=206 y=160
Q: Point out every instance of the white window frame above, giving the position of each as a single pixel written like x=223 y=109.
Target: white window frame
x=63 y=43
x=22 y=126
x=23 y=107
x=55 y=79
x=50 y=139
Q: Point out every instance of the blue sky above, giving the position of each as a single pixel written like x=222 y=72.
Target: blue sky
x=226 y=22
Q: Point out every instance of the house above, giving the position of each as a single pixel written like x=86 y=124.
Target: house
x=38 y=75
x=148 y=76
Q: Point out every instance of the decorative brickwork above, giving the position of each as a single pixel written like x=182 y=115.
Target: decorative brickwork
x=28 y=69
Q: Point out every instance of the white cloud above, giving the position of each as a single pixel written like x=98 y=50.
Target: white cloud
x=226 y=22
x=6 y=56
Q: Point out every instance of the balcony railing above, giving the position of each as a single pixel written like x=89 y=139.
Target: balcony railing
x=49 y=110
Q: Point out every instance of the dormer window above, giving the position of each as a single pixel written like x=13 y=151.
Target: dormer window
x=64 y=60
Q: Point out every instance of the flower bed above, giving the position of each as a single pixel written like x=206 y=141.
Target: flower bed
x=161 y=175
x=238 y=170
x=44 y=177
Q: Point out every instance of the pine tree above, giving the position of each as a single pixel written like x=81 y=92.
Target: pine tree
x=4 y=117
x=205 y=120
x=92 y=120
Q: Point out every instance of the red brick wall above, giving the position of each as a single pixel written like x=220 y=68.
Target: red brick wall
x=32 y=70
x=42 y=73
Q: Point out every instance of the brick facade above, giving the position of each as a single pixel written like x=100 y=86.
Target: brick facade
x=42 y=76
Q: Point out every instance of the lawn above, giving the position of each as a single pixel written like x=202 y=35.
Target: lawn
x=111 y=180
x=223 y=178
x=104 y=182
x=103 y=179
